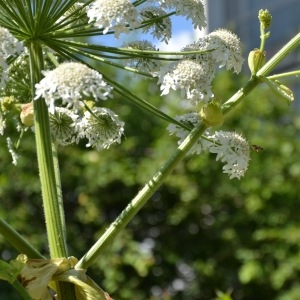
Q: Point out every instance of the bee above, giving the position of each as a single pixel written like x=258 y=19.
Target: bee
x=256 y=148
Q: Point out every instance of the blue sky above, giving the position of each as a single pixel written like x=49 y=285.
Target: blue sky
x=183 y=34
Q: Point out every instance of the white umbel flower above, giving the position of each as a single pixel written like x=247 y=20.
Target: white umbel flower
x=9 y=46
x=191 y=77
x=226 y=46
x=117 y=15
x=233 y=149
x=192 y=120
x=71 y=82
x=63 y=126
x=230 y=147
x=102 y=128
x=161 y=28
x=191 y=9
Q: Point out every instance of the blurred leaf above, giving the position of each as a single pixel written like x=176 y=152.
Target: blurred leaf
x=282 y=91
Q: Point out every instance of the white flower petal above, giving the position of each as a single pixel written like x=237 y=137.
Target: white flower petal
x=71 y=82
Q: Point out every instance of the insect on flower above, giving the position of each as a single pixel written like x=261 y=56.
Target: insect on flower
x=256 y=148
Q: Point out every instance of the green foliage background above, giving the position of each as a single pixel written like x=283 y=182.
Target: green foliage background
x=201 y=232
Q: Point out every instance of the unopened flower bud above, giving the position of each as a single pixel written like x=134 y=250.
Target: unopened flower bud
x=27 y=114
x=265 y=18
x=211 y=115
x=7 y=103
x=256 y=59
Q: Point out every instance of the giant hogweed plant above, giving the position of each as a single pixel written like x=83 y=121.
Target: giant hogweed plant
x=53 y=86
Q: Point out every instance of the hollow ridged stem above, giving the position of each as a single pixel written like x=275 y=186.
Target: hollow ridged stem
x=50 y=182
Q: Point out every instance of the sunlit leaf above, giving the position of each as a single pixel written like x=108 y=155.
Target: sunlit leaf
x=282 y=91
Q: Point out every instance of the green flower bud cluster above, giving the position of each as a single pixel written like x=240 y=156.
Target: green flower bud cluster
x=265 y=18
x=8 y=103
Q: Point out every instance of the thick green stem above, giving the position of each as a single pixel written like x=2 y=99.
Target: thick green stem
x=140 y=200
x=51 y=201
x=240 y=95
x=49 y=178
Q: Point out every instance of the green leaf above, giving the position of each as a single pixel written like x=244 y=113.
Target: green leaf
x=280 y=90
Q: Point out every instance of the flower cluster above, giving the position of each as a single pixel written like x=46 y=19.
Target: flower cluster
x=71 y=82
x=233 y=149
x=101 y=127
x=191 y=120
x=68 y=88
x=230 y=147
x=71 y=85
x=190 y=77
x=18 y=84
x=191 y=9
x=9 y=46
x=225 y=46
x=121 y=15
x=63 y=126
x=113 y=15
x=194 y=74
x=161 y=28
